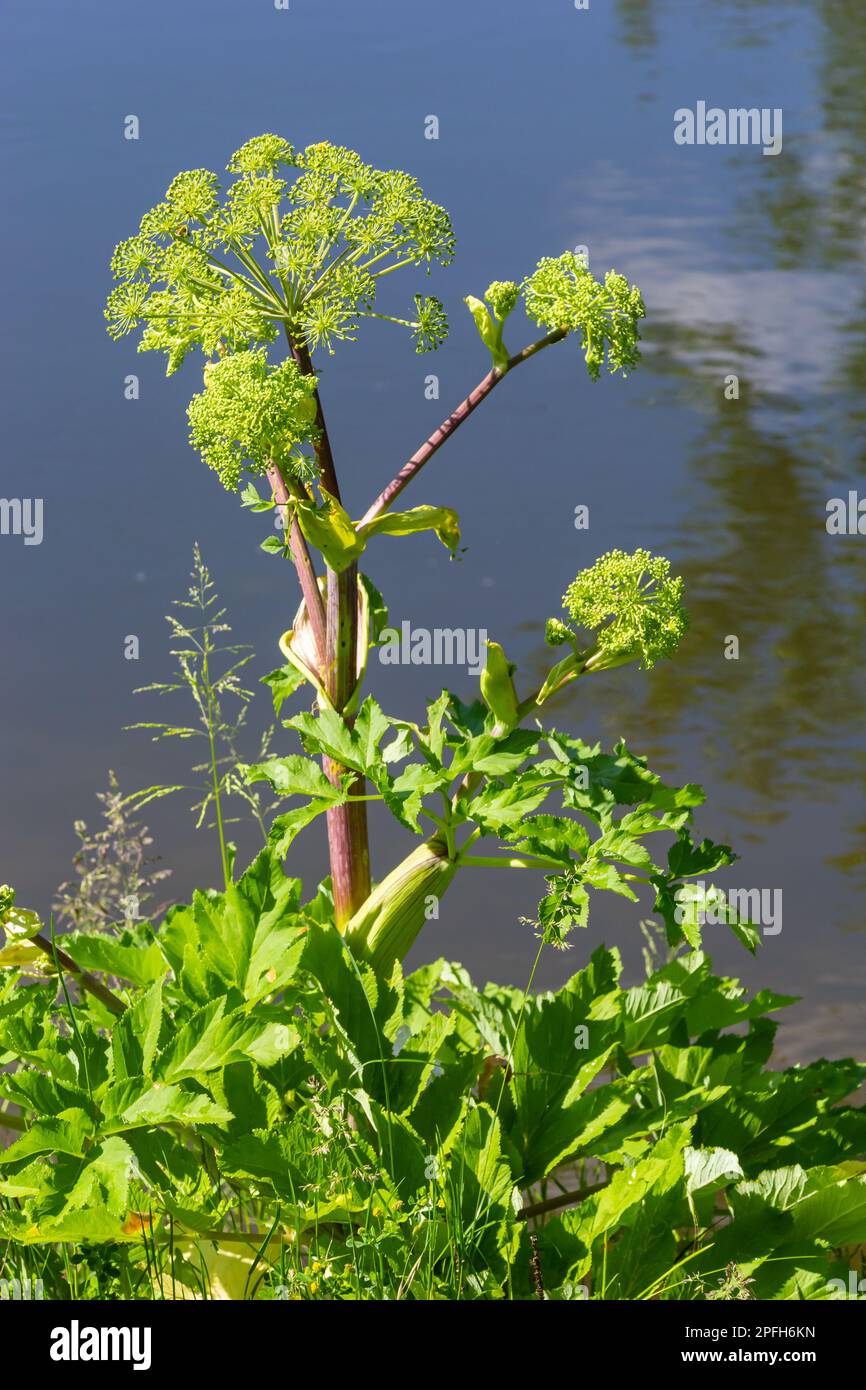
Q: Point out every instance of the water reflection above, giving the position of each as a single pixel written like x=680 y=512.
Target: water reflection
x=764 y=281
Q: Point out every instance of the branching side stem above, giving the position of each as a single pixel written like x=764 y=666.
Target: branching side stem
x=462 y=412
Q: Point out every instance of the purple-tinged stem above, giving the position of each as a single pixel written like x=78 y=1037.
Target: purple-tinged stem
x=348 y=839
x=421 y=456
x=99 y=991
x=302 y=562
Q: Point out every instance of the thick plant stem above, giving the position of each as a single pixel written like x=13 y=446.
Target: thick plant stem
x=348 y=840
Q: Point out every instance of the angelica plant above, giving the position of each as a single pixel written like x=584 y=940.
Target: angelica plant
x=294 y=246
x=252 y=1097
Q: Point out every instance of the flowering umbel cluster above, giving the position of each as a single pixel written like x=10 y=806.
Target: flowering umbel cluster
x=563 y=293
x=632 y=605
x=251 y=414
x=299 y=240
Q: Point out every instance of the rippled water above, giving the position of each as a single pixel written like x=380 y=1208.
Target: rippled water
x=556 y=128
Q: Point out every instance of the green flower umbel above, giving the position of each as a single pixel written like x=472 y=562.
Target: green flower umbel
x=562 y=293
x=297 y=241
x=633 y=606
x=251 y=414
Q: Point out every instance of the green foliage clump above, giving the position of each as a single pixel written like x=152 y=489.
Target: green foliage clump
x=562 y=293
x=265 y=1070
x=469 y=775
x=206 y=270
x=251 y=414
x=264 y=1116
x=631 y=603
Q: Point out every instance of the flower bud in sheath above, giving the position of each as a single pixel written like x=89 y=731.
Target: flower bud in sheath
x=386 y=925
x=497 y=689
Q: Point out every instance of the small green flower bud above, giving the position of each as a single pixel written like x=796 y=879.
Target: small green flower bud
x=502 y=295
x=556 y=632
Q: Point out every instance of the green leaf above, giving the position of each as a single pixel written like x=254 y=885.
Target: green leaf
x=66 y=1136
x=283 y=683
x=443 y=520
x=650 y=1012
x=210 y=1041
x=641 y=1206
x=786 y=1221
x=33 y=1180
x=356 y=1000
x=286 y=827
x=295 y=775
x=134 y=1104
x=486 y=1190
x=495 y=757
x=135 y=1037
x=370 y=727
x=404 y=795
x=357 y=747
x=250 y=498
x=499 y=808
x=46 y=1096
x=713 y=1168
x=103 y=1183
x=553 y=836
x=266 y=1156
x=250 y=937
x=832 y=1208
x=620 y=845
x=560 y=1049
x=412 y=1068
x=605 y=876
x=142 y=965
x=686 y=858
x=329 y=528
x=328 y=733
